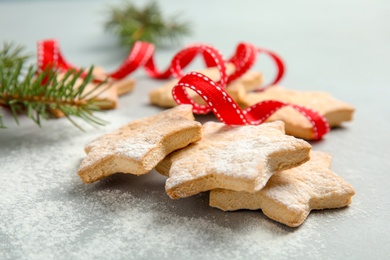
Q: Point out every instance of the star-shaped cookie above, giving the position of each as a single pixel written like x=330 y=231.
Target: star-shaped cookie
x=240 y=158
x=140 y=145
x=298 y=125
x=237 y=89
x=290 y=195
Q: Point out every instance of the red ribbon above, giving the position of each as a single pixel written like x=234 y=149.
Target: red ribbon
x=220 y=102
x=141 y=55
x=217 y=99
x=49 y=54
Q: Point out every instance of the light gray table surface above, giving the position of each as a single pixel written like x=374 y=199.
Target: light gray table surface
x=342 y=47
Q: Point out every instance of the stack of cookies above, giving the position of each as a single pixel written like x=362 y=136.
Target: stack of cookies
x=243 y=167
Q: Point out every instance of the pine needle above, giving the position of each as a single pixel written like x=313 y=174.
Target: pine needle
x=131 y=23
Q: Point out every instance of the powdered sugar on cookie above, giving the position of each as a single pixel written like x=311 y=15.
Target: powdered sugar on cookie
x=290 y=195
x=137 y=147
x=237 y=158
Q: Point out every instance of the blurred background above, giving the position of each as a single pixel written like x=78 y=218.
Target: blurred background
x=342 y=43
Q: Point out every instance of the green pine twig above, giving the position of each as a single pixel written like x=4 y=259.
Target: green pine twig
x=132 y=23
x=37 y=95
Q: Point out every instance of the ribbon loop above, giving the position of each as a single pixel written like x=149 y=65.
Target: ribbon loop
x=49 y=54
x=211 y=56
x=245 y=57
x=279 y=64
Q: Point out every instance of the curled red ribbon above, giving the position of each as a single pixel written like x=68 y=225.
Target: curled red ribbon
x=220 y=102
x=141 y=55
x=217 y=99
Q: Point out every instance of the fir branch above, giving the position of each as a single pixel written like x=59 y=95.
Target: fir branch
x=24 y=91
x=132 y=23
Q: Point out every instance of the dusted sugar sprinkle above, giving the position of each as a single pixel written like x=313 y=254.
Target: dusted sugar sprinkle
x=47 y=213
